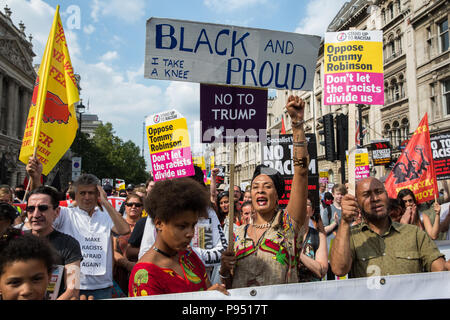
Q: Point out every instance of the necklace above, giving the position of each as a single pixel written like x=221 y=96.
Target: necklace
x=261 y=226
x=164 y=253
x=264 y=225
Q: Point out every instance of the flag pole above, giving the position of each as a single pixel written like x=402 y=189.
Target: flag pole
x=231 y=198
x=351 y=148
x=43 y=84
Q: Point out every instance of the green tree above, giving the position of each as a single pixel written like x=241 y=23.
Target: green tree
x=107 y=156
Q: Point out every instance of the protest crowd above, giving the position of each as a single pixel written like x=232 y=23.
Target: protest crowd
x=152 y=242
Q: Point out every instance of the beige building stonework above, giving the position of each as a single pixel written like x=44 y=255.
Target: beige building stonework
x=17 y=77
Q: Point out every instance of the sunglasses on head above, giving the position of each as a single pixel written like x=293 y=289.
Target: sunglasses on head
x=41 y=208
x=136 y=204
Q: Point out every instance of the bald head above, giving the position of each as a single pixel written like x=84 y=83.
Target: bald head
x=372 y=199
x=369 y=182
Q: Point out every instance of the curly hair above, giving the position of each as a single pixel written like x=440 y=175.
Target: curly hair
x=25 y=247
x=403 y=193
x=169 y=198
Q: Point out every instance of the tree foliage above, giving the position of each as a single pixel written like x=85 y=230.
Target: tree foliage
x=107 y=156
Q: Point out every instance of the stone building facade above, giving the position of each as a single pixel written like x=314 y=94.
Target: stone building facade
x=17 y=77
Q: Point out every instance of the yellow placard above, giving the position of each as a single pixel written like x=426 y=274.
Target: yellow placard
x=363 y=57
x=361 y=159
x=168 y=135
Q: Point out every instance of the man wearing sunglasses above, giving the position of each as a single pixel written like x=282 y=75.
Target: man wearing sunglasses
x=91 y=222
x=42 y=210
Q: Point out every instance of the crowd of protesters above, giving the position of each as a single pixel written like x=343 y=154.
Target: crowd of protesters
x=172 y=236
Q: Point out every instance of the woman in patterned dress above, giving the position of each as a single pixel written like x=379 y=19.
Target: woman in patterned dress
x=267 y=251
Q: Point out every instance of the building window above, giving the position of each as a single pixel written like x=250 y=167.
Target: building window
x=366 y=135
x=308 y=109
x=433 y=101
x=398 y=6
x=398 y=45
x=388 y=133
x=318 y=79
x=396 y=90
x=405 y=129
x=443 y=35
x=319 y=105
x=446 y=96
x=390 y=11
x=392 y=48
x=397 y=134
x=429 y=42
x=4 y=101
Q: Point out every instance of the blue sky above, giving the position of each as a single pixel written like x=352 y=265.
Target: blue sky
x=107 y=46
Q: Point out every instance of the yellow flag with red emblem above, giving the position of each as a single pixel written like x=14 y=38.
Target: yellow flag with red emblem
x=52 y=124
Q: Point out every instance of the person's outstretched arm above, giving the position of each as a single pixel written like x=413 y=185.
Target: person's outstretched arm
x=299 y=192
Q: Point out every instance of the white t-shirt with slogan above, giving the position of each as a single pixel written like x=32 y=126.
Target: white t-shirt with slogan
x=94 y=235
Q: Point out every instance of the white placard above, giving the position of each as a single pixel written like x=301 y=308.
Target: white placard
x=94 y=247
x=220 y=54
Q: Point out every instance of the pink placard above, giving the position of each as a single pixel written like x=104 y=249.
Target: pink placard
x=176 y=163
x=354 y=87
x=362 y=172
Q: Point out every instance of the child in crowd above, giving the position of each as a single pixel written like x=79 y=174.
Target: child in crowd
x=26 y=263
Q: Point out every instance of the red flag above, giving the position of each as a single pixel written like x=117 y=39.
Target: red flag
x=283 y=128
x=415 y=169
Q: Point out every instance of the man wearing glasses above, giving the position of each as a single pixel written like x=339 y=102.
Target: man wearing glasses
x=42 y=210
x=91 y=223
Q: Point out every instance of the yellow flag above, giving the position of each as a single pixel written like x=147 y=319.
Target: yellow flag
x=52 y=123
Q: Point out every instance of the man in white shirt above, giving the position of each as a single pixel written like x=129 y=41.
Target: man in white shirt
x=91 y=223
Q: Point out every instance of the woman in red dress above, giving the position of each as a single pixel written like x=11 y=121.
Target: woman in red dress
x=171 y=266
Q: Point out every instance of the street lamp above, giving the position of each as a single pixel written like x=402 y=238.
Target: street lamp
x=81 y=109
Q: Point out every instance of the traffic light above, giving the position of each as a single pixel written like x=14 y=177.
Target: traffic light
x=342 y=135
x=328 y=133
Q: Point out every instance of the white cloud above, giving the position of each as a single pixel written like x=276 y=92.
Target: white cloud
x=183 y=96
x=89 y=29
x=95 y=10
x=109 y=56
x=319 y=14
x=128 y=11
x=232 y=5
x=135 y=75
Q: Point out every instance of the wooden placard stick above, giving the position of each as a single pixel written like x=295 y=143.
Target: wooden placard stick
x=351 y=148
x=231 y=198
